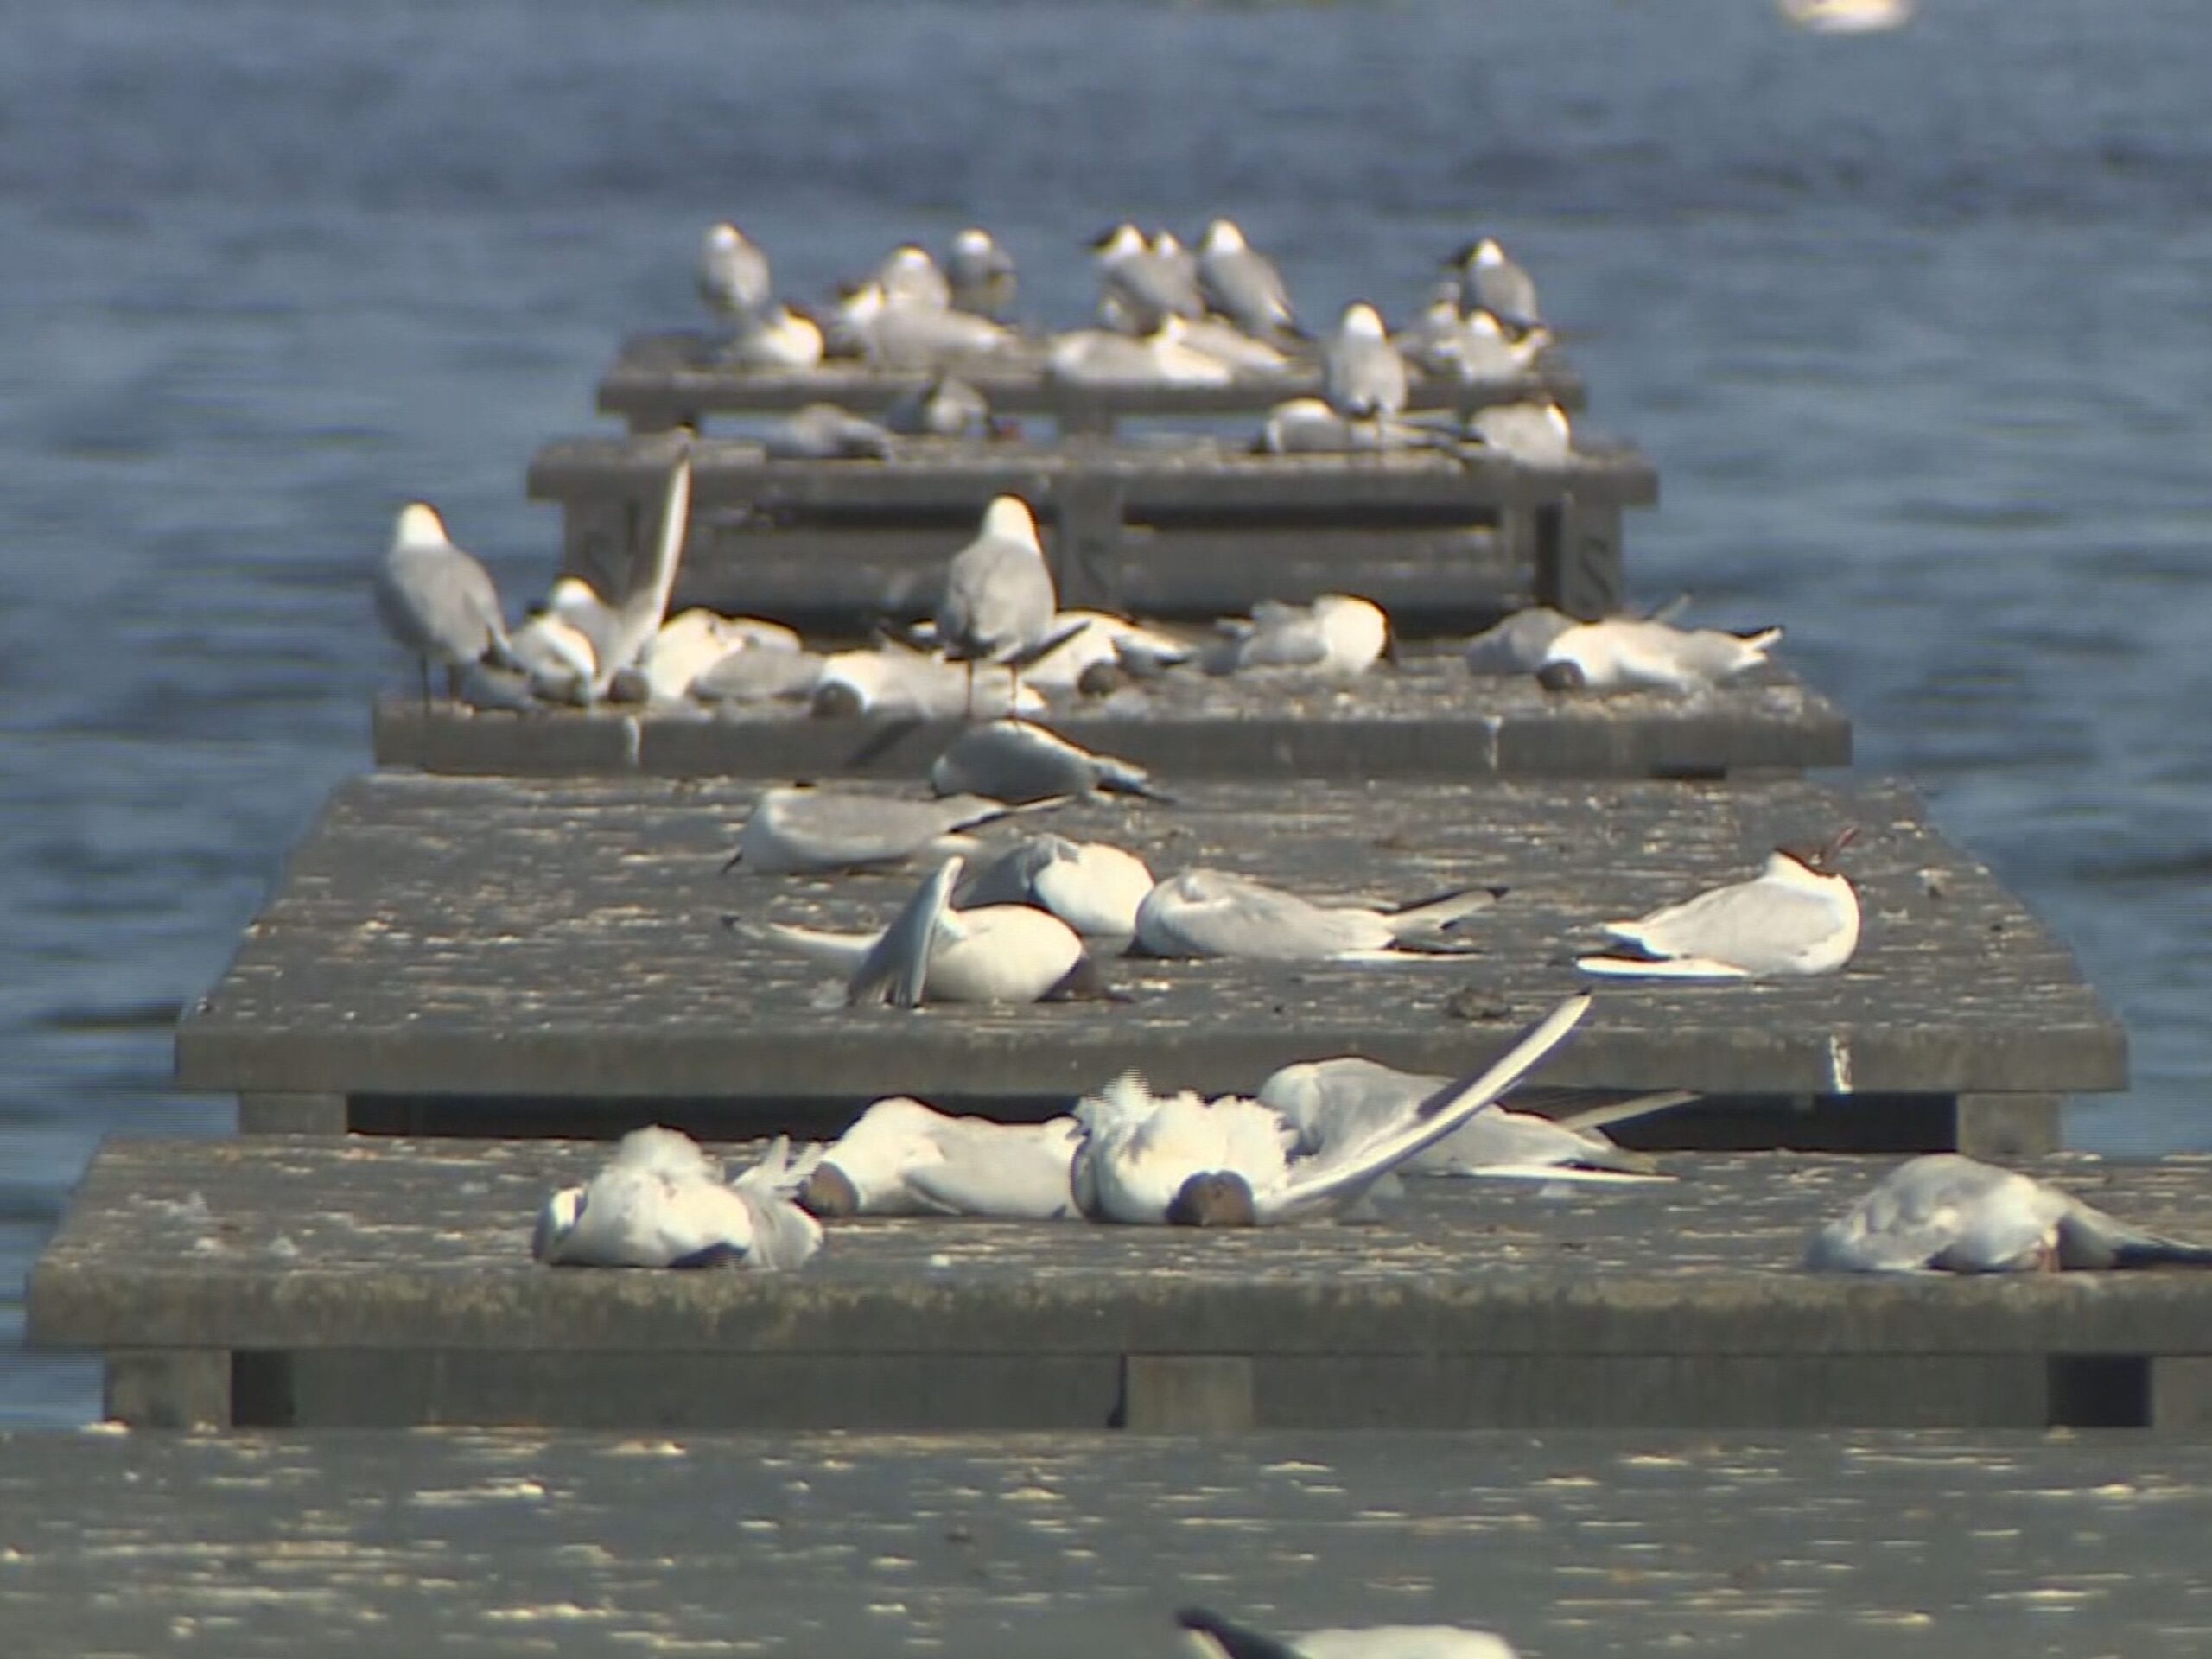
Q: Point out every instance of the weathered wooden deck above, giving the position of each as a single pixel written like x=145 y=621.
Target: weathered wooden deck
x=680 y=378
x=1193 y=529
x=1429 y=718
x=520 y=947
x=311 y=1281
x=474 y=1543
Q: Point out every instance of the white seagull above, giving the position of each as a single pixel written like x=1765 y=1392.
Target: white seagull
x=892 y=679
x=1139 y=288
x=437 y=602
x=1538 y=433
x=1230 y=1163
x=1016 y=761
x=733 y=275
x=1220 y=1638
x=1946 y=1213
x=932 y=953
x=1213 y=913
x=981 y=275
x=1490 y=282
x=1338 y=636
x=1520 y=644
x=902 y=1158
x=1093 y=886
x=660 y=1202
x=798 y=830
x=1629 y=653
x=1798 y=916
x=999 y=600
x=1363 y=377
x=1242 y=285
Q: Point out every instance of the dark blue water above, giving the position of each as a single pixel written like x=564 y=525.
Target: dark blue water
x=1916 y=326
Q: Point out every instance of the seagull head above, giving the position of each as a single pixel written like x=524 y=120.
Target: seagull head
x=829 y=1194
x=1122 y=240
x=1215 y=1198
x=1488 y=253
x=1821 y=859
x=420 y=526
x=1222 y=237
x=1561 y=675
x=724 y=237
x=1009 y=516
x=556 y=1222
x=974 y=243
x=1164 y=245
x=1362 y=322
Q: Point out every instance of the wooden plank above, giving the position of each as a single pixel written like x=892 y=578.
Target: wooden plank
x=1427 y=718
x=661 y=380
x=523 y=940
x=394 y=1278
x=467 y=1543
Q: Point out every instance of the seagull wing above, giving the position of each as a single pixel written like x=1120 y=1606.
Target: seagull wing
x=899 y=961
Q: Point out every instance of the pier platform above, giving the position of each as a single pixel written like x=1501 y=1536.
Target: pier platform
x=1985 y=1545
x=1196 y=529
x=522 y=955
x=681 y=377
x=279 y=1281
x=1427 y=718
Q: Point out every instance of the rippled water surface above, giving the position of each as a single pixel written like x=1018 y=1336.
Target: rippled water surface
x=1917 y=328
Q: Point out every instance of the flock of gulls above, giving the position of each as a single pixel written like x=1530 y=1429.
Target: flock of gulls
x=1167 y=316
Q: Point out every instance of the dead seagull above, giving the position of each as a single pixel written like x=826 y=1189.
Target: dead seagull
x=660 y=1202
x=1338 y=636
x=902 y=1158
x=1945 y=1213
x=1094 y=888
x=1016 y=762
x=1335 y=1103
x=1221 y=1639
x=802 y=829
x=1628 y=653
x=932 y=953
x=1213 y=913
x=1231 y=1162
x=435 y=601
x=1520 y=644
x=1798 y=916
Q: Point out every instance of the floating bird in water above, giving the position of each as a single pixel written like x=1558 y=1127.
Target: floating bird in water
x=902 y=1158
x=733 y=276
x=437 y=602
x=1230 y=1163
x=1222 y=1639
x=1213 y=913
x=1490 y=282
x=999 y=599
x=892 y=679
x=1338 y=636
x=1094 y=888
x=931 y=953
x=1242 y=285
x=1628 y=653
x=1014 y=760
x=660 y=1202
x=1363 y=377
x=1798 y=916
x=798 y=830
x=1946 y=1213
x=1340 y=1103
x=981 y=275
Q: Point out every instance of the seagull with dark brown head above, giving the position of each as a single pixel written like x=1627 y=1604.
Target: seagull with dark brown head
x=1798 y=916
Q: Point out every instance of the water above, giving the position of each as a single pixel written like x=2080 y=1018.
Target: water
x=1914 y=327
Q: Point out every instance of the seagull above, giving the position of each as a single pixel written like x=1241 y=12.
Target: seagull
x=687 y=646
x=755 y=672
x=733 y=275
x=660 y=1202
x=909 y=276
x=618 y=633
x=1520 y=644
x=932 y=953
x=999 y=600
x=1628 y=654
x=1538 y=433
x=981 y=275
x=1016 y=762
x=1213 y=913
x=776 y=338
x=1846 y=16
x=826 y=432
x=1363 y=377
x=1221 y=1639
x=1945 y=1213
x=946 y=408
x=1138 y=289
x=1798 y=916
x=917 y=338
x=1337 y=637
x=1163 y=356
x=1226 y=343
x=1338 y=1103
x=437 y=602
x=1230 y=1163
x=558 y=656
x=1490 y=282
x=1307 y=426
x=1105 y=639
x=902 y=1158
x=801 y=830
x=891 y=678
x=1093 y=886
x=1242 y=285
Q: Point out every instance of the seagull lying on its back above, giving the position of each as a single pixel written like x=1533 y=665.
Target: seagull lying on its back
x=901 y=1158
x=1798 y=916
x=1014 y=761
x=1231 y=1162
x=660 y=1202
x=1628 y=654
x=1948 y=1213
x=1213 y=913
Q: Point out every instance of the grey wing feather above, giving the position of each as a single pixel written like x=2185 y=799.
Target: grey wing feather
x=899 y=962
x=998 y=597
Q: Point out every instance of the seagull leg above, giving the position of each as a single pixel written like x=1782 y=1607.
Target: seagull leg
x=971 y=688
